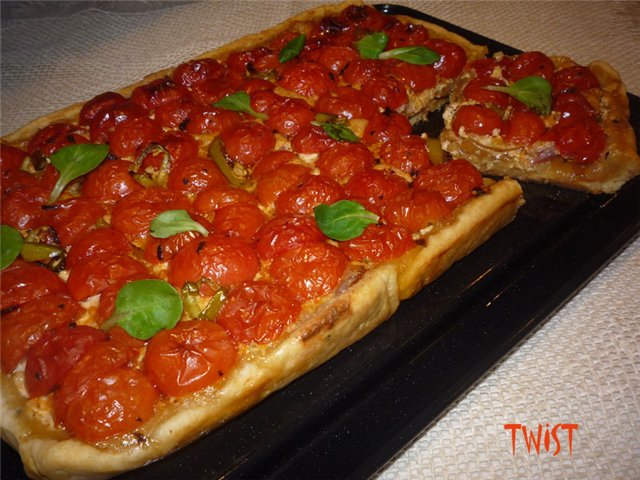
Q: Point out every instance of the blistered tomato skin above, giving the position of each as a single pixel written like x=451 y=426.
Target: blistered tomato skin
x=23 y=282
x=582 y=142
x=523 y=128
x=311 y=192
x=407 y=153
x=416 y=210
x=378 y=242
x=476 y=119
x=456 y=180
x=528 y=64
x=282 y=233
x=247 y=142
x=110 y=182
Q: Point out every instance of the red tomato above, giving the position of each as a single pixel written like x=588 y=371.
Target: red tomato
x=476 y=90
x=344 y=161
x=453 y=58
x=476 y=120
x=22 y=209
x=107 y=118
x=74 y=217
x=102 y=396
x=378 y=243
x=97 y=104
x=23 y=327
x=386 y=92
x=194 y=176
x=157 y=92
x=361 y=70
x=385 y=126
x=346 y=102
x=416 y=78
x=573 y=107
x=266 y=101
x=364 y=18
x=530 y=63
x=378 y=186
x=176 y=113
x=573 y=80
x=95 y=242
x=335 y=58
x=197 y=71
x=23 y=282
x=239 y=220
x=110 y=182
x=189 y=357
x=132 y=135
x=407 y=153
x=406 y=35
x=53 y=137
x=216 y=197
x=259 y=59
x=245 y=143
x=159 y=250
x=306 y=78
x=102 y=271
x=273 y=183
x=523 y=128
x=271 y=161
x=484 y=67
x=289 y=118
x=55 y=354
x=205 y=119
x=310 y=270
x=456 y=180
x=582 y=142
x=225 y=261
x=181 y=146
x=282 y=233
x=258 y=312
x=311 y=139
x=416 y=209
x=213 y=90
x=311 y=192
x=11 y=157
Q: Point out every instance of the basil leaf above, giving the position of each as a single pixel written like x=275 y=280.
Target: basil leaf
x=172 y=222
x=533 y=91
x=239 y=102
x=337 y=131
x=344 y=219
x=145 y=307
x=10 y=245
x=73 y=161
x=292 y=49
x=372 y=45
x=415 y=55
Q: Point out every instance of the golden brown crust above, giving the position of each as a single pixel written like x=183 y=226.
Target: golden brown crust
x=620 y=161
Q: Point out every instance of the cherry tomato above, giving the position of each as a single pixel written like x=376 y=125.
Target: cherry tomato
x=132 y=135
x=205 y=119
x=159 y=250
x=573 y=80
x=107 y=118
x=194 y=176
x=23 y=327
x=56 y=352
x=346 y=102
x=282 y=233
x=266 y=101
x=387 y=92
x=181 y=146
x=306 y=78
x=477 y=120
x=53 y=137
x=197 y=71
x=25 y=208
x=406 y=35
x=476 y=90
x=176 y=113
x=290 y=117
x=344 y=161
x=245 y=143
x=311 y=192
x=97 y=104
x=189 y=357
x=484 y=67
x=530 y=63
x=407 y=153
x=311 y=139
x=95 y=242
x=378 y=186
x=273 y=183
x=213 y=90
x=416 y=78
x=416 y=209
x=74 y=217
x=258 y=312
x=334 y=58
x=11 y=157
x=365 y=18
x=456 y=180
x=157 y=92
x=378 y=242
x=102 y=271
x=582 y=142
x=23 y=282
x=216 y=197
x=309 y=270
x=271 y=161
x=361 y=70
x=453 y=58
x=523 y=128
x=239 y=220
x=110 y=182
x=225 y=261
x=385 y=126
x=251 y=61
x=573 y=107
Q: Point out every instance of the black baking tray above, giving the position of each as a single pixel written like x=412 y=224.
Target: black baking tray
x=350 y=416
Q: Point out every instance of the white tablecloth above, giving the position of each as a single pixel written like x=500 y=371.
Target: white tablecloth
x=581 y=367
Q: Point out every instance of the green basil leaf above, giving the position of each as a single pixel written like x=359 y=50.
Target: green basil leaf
x=239 y=102
x=10 y=245
x=415 y=55
x=533 y=91
x=145 y=307
x=292 y=49
x=172 y=222
x=337 y=131
x=73 y=161
x=372 y=45
x=344 y=219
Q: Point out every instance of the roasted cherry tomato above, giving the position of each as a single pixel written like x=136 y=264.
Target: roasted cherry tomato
x=107 y=304
x=523 y=128
x=386 y=92
x=290 y=117
x=245 y=143
x=453 y=58
x=159 y=250
x=365 y=18
x=311 y=192
x=378 y=243
x=74 y=217
x=477 y=120
x=214 y=89
x=407 y=153
x=306 y=78
x=107 y=118
x=406 y=35
x=11 y=157
x=271 y=161
x=110 y=182
x=220 y=260
x=335 y=58
x=309 y=270
x=95 y=242
x=346 y=102
x=582 y=142
x=385 y=126
x=282 y=233
x=23 y=282
x=273 y=183
x=189 y=357
x=573 y=107
x=417 y=209
x=258 y=312
x=155 y=93
x=197 y=71
x=22 y=327
x=456 y=180
x=476 y=90
x=311 y=139
x=239 y=220
x=57 y=351
x=344 y=161
x=132 y=135
x=26 y=207
x=377 y=185
x=97 y=104
x=194 y=176
x=361 y=70
x=573 y=80
x=219 y=196
x=416 y=78
x=528 y=64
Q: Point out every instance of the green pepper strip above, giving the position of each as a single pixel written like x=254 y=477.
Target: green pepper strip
x=161 y=176
x=216 y=153
x=38 y=252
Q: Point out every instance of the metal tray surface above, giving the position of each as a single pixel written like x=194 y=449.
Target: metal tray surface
x=348 y=417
